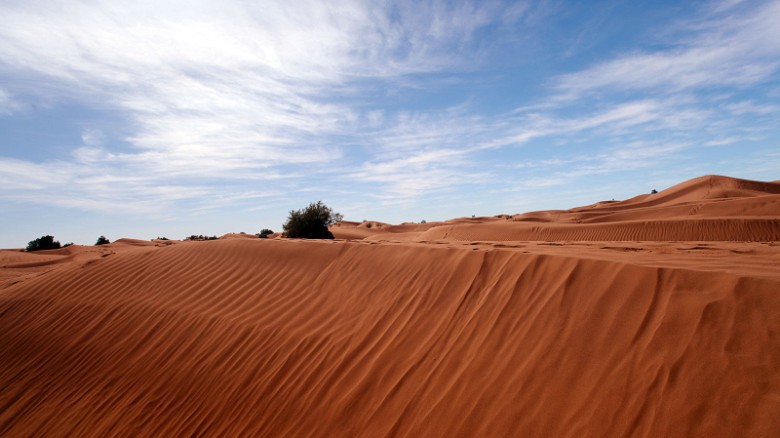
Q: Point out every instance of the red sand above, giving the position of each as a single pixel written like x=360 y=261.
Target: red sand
x=709 y=208
x=414 y=337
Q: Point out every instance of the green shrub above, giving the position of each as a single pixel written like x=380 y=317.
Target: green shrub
x=264 y=233
x=102 y=241
x=311 y=222
x=42 y=243
x=200 y=237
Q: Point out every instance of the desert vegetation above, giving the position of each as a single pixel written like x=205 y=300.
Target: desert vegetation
x=311 y=222
x=102 y=240
x=200 y=237
x=43 y=243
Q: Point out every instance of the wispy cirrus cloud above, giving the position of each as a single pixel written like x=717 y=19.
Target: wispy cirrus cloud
x=424 y=154
x=723 y=49
x=8 y=105
x=226 y=91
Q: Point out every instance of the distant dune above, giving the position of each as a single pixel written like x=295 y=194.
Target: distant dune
x=709 y=208
x=654 y=316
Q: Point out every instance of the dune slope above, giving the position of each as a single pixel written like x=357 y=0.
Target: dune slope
x=262 y=337
x=708 y=208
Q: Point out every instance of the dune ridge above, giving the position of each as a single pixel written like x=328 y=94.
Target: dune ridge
x=266 y=337
x=708 y=208
x=755 y=230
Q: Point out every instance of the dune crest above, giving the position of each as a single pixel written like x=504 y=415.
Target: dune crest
x=708 y=208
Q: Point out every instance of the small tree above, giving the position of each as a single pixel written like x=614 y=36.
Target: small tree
x=42 y=243
x=653 y=192
x=264 y=233
x=311 y=222
x=102 y=241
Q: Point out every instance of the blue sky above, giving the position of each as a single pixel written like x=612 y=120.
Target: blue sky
x=148 y=118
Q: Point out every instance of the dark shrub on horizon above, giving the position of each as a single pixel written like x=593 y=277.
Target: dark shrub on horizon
x=200 y=237
x=102 y=240
x=264 y=233
x=311 y=222
x=43 y=243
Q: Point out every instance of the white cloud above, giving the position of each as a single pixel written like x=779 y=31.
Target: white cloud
x=92 y=137
x=423 y=153
x=730 y=50
x=22 y=175
x=231 y=82
x=8 y=105
x=220 y=90
x=749 y=107
x=724 y=5
x=411 y=176
x=724 y=141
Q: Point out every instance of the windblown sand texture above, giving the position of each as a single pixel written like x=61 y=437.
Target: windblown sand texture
x=655 y=316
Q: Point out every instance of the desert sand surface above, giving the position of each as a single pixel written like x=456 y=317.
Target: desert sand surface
x=654 y=316
x=709 y=208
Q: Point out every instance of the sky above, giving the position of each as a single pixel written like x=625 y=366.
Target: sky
x=164 y=118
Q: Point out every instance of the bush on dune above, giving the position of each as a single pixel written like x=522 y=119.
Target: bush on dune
x=200 y=237
x=43 y=243
x=102 y=240
x=311 y=222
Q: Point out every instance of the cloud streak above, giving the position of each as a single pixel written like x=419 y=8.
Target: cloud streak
x=227 y=91
x=722 y=50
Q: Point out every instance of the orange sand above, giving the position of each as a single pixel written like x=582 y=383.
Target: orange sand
x=709 y=208
x=432 y=333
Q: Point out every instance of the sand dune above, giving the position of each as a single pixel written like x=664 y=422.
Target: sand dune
x=709 y=208
x=277 y=337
